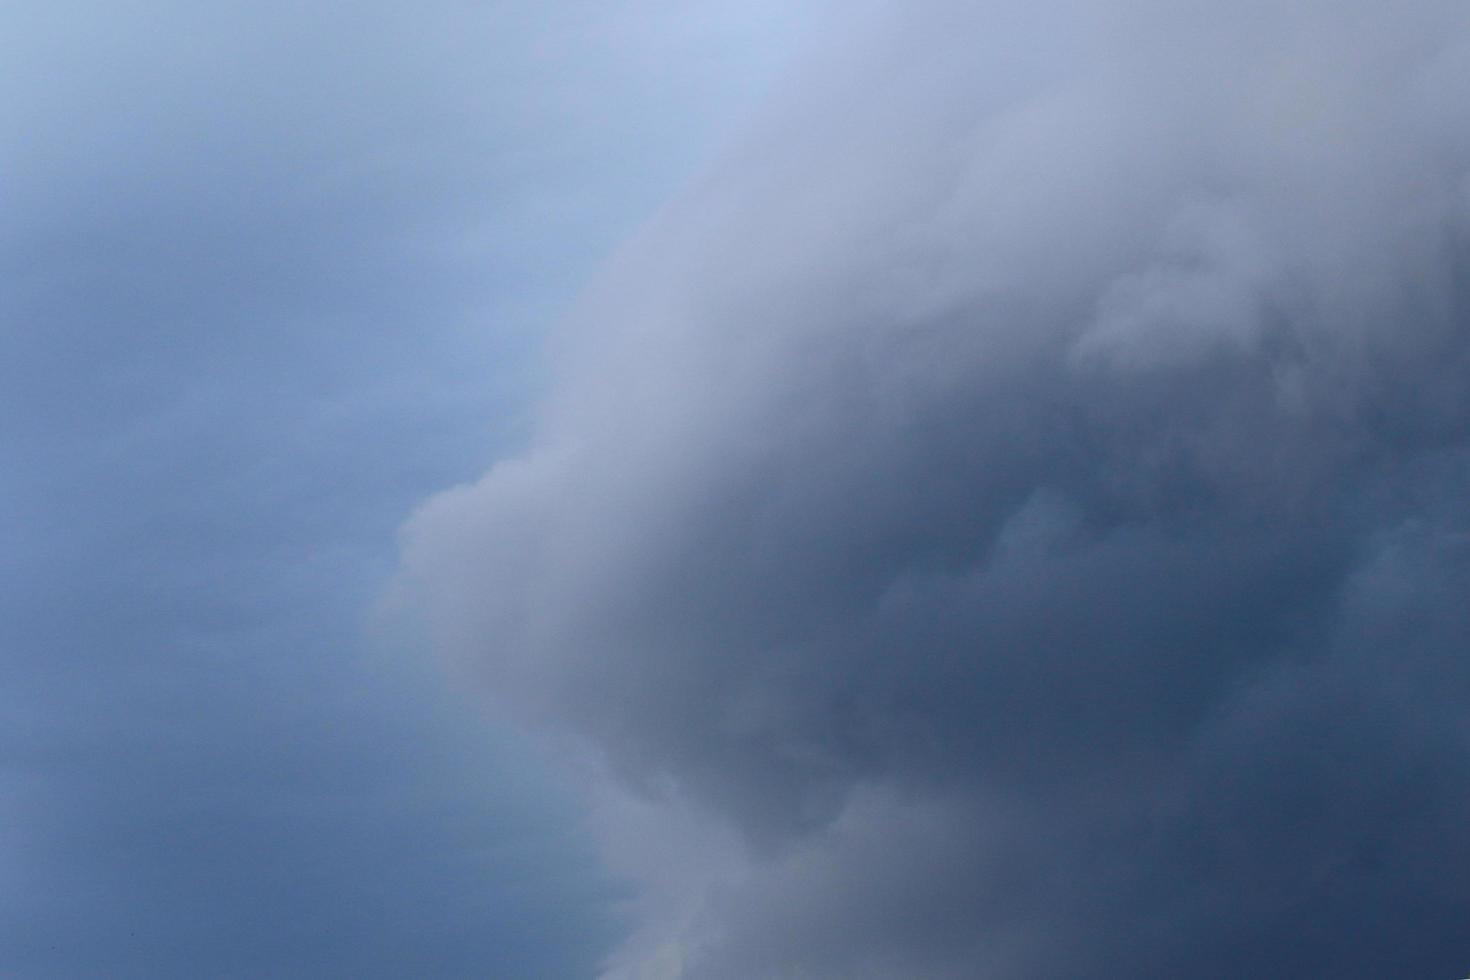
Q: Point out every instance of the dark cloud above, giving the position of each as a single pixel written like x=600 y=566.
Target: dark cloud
x=1008 y=519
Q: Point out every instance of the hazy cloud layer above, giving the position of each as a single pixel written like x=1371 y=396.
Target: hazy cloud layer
x=270 y=273
x=1010 y=518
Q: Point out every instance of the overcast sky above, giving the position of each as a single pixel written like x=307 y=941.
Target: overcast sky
x=270 y=274
x=665 y=490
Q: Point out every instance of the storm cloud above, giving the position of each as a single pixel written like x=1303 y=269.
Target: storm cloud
x=1009 y=518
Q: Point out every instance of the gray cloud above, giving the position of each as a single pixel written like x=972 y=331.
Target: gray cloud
x=1008 y=518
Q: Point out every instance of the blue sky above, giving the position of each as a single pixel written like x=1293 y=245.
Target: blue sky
x=271 y=274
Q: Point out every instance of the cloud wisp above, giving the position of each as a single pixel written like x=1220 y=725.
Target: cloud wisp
x=1009 y=518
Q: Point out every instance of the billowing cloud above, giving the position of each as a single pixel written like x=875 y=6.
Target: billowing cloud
x=1009 y=518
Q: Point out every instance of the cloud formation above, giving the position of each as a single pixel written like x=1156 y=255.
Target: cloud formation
x=1009 y=518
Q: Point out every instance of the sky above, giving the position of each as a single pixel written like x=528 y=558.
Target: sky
x=1007 y=516
x=270 y=275
x=697 y=491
